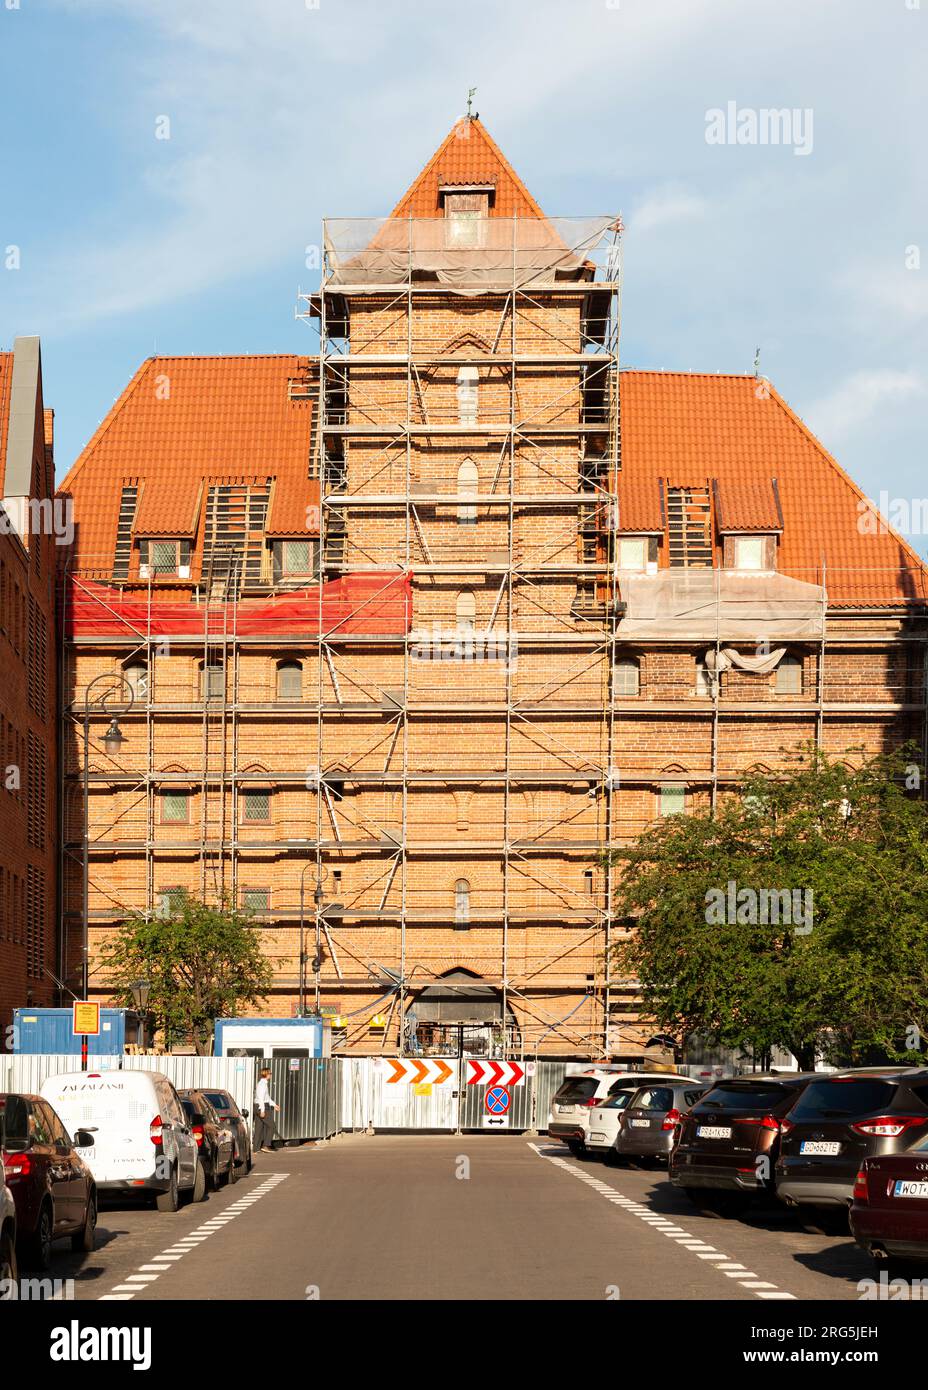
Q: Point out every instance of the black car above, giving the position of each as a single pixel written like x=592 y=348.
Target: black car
x=839 y=1121
x=728 y=1143
x=214 y=1138
x=226 y=1108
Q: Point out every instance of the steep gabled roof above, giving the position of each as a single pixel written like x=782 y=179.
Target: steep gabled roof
x=694 y=428
x=182 y=424
x=468 y=155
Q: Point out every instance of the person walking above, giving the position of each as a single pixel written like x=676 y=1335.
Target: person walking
x=264 y=1121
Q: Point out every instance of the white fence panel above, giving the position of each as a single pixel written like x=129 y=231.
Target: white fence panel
x=370 y=1098
x=25 y=1072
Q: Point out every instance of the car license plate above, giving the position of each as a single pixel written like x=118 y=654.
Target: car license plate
x=597 y=1139
x=713 y=1131
x=640 y=1124
x=910 y=1189
x=812 y=1146
x=565 y=1109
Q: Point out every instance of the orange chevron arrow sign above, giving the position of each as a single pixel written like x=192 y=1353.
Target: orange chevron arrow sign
x=430 y=1071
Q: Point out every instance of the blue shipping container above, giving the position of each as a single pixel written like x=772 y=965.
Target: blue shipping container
x=50 y=1030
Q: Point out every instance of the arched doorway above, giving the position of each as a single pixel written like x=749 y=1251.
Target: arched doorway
x=460 y=1015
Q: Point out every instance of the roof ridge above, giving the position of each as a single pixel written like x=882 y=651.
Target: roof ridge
x=489 y=143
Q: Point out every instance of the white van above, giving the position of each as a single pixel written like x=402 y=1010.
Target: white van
x=142 y=1137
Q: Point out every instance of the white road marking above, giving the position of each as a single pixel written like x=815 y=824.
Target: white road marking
x=730 y=1268
x=133 y=1283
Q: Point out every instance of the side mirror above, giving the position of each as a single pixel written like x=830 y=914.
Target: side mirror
x=244 y=1114
x=83 y=1138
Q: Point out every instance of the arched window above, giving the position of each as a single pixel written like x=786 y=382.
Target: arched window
x=467 y=395
x=136 y=674
x=465 y=612
x=627 y=677
x=289 y=680
x=789 y=676
x=462 y=903
x=468 y=482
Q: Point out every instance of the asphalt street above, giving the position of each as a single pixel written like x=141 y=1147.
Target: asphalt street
x=429 y=1217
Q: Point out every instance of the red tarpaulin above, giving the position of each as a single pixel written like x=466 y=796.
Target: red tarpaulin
x=361 y=603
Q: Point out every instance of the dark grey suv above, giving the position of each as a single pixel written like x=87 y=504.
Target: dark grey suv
x=650 y=1120
x=840 y=1120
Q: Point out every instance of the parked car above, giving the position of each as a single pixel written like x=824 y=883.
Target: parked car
x=603 y=1124
x=142 y=1138
x=728 y=1143
x=52 y=1186
x=225 y=1105
x=649 y=1122
x=214 y=1139
x=889 y=1212
x=840 y=1120
x=569 y=1117
x=8 y=1268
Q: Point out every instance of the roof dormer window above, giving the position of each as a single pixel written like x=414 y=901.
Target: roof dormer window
x=466 y=209
x=162 y=556
x=751 y=552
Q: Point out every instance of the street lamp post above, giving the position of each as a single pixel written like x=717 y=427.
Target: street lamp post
x=120 y=696
x=141 y=989
x=317 y=899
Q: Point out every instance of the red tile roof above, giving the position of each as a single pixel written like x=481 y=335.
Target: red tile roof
x=181 y=424
x=468 y=155
x=6 y=378
x=693 y=428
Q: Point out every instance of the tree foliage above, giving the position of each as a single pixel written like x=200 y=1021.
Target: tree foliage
x=203 y=962
x=852 y=987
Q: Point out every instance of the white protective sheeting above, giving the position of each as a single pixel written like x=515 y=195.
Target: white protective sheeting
x=504 y=250
x=720 y=605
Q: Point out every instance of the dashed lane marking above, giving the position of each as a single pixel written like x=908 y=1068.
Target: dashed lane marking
x=147 y=1273
x=760 y=1288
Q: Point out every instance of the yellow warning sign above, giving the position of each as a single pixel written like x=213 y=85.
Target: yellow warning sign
x=86 y=1018
x=423 y=1088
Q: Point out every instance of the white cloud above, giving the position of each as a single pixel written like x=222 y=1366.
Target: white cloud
x=666 y=206
x=859 y=398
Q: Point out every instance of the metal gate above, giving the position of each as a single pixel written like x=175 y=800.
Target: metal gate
x=306 y=1089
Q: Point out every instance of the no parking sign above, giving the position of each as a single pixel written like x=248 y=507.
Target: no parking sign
x=496 y=1104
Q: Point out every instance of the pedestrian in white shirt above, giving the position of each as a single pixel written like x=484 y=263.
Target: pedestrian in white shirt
x=264 y=1104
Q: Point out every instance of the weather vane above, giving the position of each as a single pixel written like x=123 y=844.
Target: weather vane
x=470 y=101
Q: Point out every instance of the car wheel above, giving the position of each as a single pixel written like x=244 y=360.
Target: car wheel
x=576 y=1147
x=37 y=1248
x=250 y=1162
x=199 y=1185
x=170 y=1200
x=226 y=1177
x=86 y=1239
x=235 y=1169
x=8 y=1270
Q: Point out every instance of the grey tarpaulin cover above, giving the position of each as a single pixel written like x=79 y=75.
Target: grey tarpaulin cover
x=720 y=605
x=524 y=250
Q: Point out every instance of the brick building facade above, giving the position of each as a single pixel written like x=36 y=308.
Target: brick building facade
x=28 y=687
x=417 y=629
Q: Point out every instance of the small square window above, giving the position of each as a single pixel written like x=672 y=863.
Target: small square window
x=170 y=900
x=174 y=808
x=633 y=553
x=294 y=559
x=256 y=806
x=257 y=901
x=672 y=799
x=749 y=552
x=788 y=680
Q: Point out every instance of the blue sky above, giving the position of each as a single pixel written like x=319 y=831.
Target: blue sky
x=282 y=112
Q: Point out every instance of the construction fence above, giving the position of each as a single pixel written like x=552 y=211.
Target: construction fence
x=321 y=1097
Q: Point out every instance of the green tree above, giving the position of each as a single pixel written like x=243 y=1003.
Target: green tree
x=203 y=962
x=847 y=974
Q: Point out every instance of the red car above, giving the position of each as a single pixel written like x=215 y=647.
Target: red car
x=52 y=1187
x=889 y=1213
